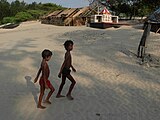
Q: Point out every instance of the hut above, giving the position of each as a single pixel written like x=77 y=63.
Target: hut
x=50 y=19
x=68 y=17
x=152 y=23
x=154 y=20
x=66 y=14
x=104 y=16
x=58 y=17
x=78 y=19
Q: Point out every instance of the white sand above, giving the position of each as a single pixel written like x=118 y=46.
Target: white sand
x=111 y=85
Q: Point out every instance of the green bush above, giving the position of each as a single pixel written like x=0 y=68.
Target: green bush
x=8 y=20
x=36 y=13
x=23 y=16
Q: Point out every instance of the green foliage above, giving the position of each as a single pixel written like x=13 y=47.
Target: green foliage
x=8 y=20
x=21 y=11
x=17 y=6
x=4 y=9
x=23 y=16
x=132 y=8
x=32 y=6
x=50 y=7
x=36 y=13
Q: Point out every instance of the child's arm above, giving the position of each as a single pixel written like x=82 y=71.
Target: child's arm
x=39 y=71
x=44 y=67
x=74 y=70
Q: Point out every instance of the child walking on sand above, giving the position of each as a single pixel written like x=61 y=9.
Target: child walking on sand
x=44 y=82
x=65 y=71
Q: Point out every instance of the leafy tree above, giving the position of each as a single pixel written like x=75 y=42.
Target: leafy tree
x=4 y=9
x=32 y=6
x=23 y=11
x=132 y=8
x=153 y=4
x=17 y=6
x=36 y=13
x=50 y=7
x=143 y=9
x=23 y=16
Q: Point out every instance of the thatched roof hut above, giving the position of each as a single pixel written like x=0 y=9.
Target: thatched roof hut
x=77 y=19
x=55 y=13
x=152 y=23
x=68 y=17
x=67 y=12
x=58 y=17
x=154 y=20
x=49 y=19
x=155 y=17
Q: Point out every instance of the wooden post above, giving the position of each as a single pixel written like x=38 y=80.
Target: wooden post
x=142 y=44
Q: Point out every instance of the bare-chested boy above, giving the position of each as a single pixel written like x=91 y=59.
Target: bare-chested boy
x=65 y=71
x=44 y=82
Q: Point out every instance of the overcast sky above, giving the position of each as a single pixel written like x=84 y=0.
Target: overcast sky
x=64 y=3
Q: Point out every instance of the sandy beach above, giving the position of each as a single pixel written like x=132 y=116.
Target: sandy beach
x=111 y=84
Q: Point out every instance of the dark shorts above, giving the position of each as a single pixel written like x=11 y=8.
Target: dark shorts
x=66 y=71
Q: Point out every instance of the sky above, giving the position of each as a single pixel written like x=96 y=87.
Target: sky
x=64 y=3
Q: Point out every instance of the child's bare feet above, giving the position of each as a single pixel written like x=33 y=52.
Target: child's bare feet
x=69 y=97
x=59 y=96
x=47 y=101
x=41 y=107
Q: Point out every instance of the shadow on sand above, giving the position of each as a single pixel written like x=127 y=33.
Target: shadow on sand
x=32 y=88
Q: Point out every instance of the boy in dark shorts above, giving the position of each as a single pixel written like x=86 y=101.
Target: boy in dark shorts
x=65 y=71
x=44 y=82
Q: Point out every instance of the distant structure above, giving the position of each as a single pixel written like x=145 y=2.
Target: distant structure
x=68 y=17
x=80 y=16
x=152 y=23
x=154 y=20
x=104 y=16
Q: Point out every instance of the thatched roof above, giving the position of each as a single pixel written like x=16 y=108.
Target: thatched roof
x=55 y=13
x=155 y=17
x=88 y=13
x=68 y=17
x=67 y=12
x=74 y=16
x=81 y=11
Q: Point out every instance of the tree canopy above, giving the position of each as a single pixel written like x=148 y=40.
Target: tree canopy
x=19 y=11
x=132 y=8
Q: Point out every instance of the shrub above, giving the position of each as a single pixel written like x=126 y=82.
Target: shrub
x=36 y=13
x=23 y=16
x=8 y=20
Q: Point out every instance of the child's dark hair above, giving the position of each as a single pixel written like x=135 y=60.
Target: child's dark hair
x=46 y=53
x=67 y=43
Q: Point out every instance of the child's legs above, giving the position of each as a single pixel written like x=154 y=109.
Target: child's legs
x=62 y=84
x=72 y=84
x=42 y=89
x=51 y=91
